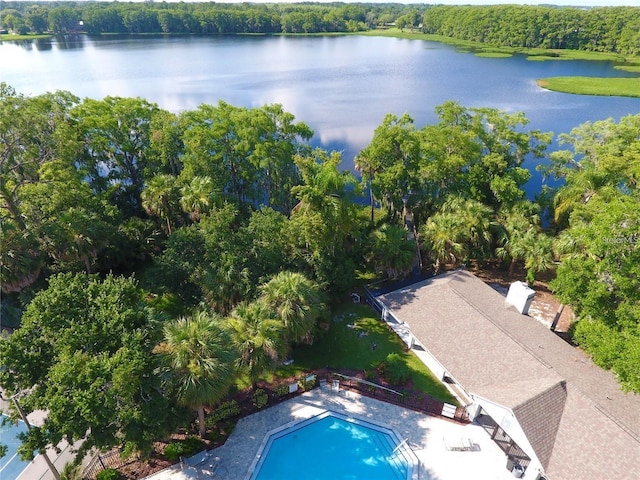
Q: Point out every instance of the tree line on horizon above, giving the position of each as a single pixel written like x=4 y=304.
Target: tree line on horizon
x=130 y=233
x=598 y=29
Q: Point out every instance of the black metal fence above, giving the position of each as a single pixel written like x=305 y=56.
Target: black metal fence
x=102 y=461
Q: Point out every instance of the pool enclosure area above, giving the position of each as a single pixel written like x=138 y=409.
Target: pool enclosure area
x=333 y=446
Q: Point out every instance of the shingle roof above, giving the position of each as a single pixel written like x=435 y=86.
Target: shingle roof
x=554 y=390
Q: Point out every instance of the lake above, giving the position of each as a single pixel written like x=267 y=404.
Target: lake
x=341 y=86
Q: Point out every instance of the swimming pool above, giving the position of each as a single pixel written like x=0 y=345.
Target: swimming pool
x=332 y=446
x=11 y=465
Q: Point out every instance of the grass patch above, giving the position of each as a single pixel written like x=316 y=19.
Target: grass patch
x=628 y=68
x=9 y=37
x=535 y=54
x=539 y=54
x=541 y=58
x=347 y=344
x=619 y=87
x=493 y=55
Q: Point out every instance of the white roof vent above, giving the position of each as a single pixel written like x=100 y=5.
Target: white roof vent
x=520 y=296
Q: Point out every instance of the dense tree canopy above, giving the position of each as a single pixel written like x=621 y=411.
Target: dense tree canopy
x=230 y=214
x=596 y=29
x=600 y=249
x=83 y=355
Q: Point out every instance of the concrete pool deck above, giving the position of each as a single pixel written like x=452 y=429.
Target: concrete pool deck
x=430 y=438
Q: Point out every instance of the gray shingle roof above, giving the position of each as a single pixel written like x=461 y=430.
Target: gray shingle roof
x=558 y=395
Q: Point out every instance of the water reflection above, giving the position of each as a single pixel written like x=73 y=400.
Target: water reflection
x=342 y=87
x=70 y=42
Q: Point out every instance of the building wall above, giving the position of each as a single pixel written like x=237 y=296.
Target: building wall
x=505 y=418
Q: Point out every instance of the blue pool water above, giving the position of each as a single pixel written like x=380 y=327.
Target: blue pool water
x=333 y=447
x=11 y=466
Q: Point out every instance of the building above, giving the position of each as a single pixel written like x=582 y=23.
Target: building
x=548 y=407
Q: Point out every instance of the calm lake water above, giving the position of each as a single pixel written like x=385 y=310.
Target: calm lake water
x=340 y=86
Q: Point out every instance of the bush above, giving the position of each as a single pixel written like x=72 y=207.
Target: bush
x=71 y=471
x=260 y=398
x=192 y=445
x=308 y=385
x=282 y=390
x=173 y=451
x=396 y=370
x=184 y=448
x=108 y=474
x=223 y=412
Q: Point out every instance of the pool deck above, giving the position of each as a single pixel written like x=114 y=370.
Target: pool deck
x=446 y=450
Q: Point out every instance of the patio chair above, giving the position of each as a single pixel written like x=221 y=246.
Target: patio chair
x=323 y=384
x=335 y=385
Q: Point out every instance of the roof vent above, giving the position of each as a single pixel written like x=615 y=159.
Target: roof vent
x=520 y=296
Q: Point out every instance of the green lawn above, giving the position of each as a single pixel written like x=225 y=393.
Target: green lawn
x=635 y=68
x=622 y=87
x=347 y=344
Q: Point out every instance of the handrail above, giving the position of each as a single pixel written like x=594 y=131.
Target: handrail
x=371 y=384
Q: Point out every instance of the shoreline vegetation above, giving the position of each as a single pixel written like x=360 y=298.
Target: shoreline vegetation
x=601 y=86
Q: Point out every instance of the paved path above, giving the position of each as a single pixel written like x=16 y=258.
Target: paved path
x=428 y=436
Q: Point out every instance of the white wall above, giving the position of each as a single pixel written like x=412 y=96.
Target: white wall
x=505 y=418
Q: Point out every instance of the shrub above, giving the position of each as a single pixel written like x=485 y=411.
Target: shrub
x=71 y=471
x=282 y=390
x=173 y=451
x=223 y=412
x=396 y=369
x=108 y=474
x=308 y=385
x=260 y=398
x=184 y=448
x=192 y=445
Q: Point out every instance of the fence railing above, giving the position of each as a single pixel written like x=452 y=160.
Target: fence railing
x=414 y=400
x=102 y=461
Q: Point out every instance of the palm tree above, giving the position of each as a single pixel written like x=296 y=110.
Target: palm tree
x=392 y=252
x=477 y=219
x=462 y=228
x=539 y=255
x=226 y=282
x=523 y=240
x=298 y=303
x=257 y=337
x=198 y=361
x=326 y=190
x=161 y=197
x=515 y=226
x=580 y=187
x=441 y=236
x=198 y=197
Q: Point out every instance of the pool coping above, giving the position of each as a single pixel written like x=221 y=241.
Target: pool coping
x=269 y=437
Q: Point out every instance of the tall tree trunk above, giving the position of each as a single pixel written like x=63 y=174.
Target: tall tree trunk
x=512 y=267
x=202 y=428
